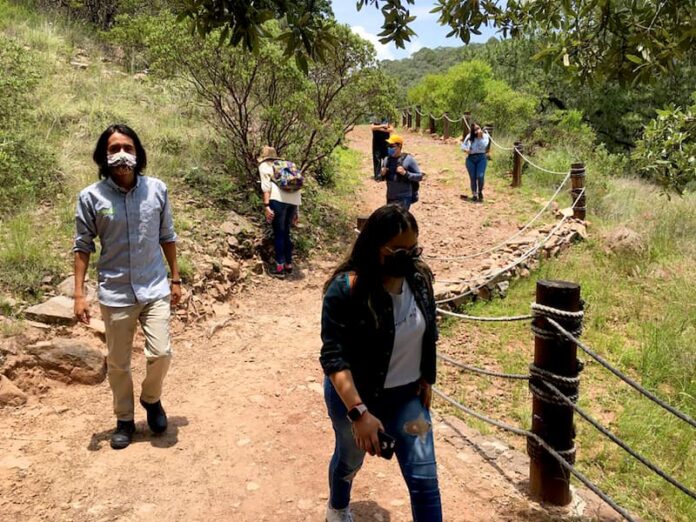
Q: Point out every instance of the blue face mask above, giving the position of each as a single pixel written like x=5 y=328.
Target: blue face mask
x=391 y=150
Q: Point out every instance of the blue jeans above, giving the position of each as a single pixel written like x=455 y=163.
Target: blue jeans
x=404 y=202
x=282 y=221
x=476 y=166
x=415 y=453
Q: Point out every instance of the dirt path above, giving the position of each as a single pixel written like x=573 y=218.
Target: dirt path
x=249 y=438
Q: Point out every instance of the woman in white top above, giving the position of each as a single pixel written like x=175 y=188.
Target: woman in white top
x=282 y=211
x=477 y=145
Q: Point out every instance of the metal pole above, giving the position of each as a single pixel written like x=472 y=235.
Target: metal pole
x=553 y=422
x=577 y=178
x=517 y=165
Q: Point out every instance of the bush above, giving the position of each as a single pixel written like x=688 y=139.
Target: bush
x=666 y=154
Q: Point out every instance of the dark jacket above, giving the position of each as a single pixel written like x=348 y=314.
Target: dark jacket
x=352 y=340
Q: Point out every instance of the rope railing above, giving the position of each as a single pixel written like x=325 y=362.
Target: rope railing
x=482 y=371
x=525 y=158
x=513 y=264
x=500 y=319
x=542 y=443
x=521 y=231
x=618 y=441
x=646 y=393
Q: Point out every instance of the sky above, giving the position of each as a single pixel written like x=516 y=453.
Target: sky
x=368 y=23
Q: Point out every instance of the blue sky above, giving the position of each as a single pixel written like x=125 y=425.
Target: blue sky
x=368 y=23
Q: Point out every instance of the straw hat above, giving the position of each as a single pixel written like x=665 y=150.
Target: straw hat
x=267 y=153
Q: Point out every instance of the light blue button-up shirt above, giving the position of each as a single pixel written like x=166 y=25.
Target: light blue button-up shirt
x=478 y=146
x=131 y=225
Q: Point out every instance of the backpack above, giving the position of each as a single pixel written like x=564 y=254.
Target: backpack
x=287 y=176
x=415 y=185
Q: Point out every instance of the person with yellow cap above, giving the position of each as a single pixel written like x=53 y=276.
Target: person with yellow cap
x=402 y=174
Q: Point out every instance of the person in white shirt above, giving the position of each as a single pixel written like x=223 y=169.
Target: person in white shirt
x=281 y=208
x=477 y=146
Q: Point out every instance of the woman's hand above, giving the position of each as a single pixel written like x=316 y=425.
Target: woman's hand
x=365 y=433
x=269 y=214
x=296 y=218
x=488 y=155
x=425 y=390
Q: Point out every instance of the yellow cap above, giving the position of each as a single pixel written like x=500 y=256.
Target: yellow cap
x=394 y=139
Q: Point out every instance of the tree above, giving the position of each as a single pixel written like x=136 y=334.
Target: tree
x=262 y=98
x=626 y=40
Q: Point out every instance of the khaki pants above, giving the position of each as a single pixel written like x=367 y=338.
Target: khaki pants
x=120 y=323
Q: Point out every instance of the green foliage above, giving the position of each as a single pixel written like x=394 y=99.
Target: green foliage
x=25 y=163
x=470 y=86
x=667 y=152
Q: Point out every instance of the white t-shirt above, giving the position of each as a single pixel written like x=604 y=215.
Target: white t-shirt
x=409 y=327
x=277 y=194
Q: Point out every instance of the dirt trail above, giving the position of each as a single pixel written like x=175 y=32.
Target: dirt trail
x=249 y=437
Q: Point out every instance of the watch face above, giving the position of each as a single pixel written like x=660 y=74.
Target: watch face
x=354 y=414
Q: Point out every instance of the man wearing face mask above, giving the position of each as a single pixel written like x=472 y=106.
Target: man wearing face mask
x=402 y=174
x=131 y=215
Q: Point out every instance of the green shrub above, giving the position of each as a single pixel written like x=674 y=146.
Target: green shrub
x=666 y=154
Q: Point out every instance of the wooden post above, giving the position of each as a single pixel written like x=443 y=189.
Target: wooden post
x=418 y=118
x=517 y=165
x=403 y=118
x=466 y=120
x=445 y=124
x=548 y=480
x=409 y=122
x=432 y=124
x=489 y=128
x=577 y=178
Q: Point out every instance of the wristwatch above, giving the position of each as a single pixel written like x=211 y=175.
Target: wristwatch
x=356 y=412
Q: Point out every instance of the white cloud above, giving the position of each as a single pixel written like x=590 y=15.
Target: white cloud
x=383 y=51
x=414 y=46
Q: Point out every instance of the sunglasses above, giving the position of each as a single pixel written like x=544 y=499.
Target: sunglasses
x=414 y=252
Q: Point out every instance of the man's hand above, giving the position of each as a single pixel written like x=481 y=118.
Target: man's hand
x=269 y=214
x=81 y=309
x=383 y=171
x=365 y=433
x=176 y=294
x=400 y=170
x=296 y=218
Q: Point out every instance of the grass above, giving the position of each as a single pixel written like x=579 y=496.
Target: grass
x=641 y=317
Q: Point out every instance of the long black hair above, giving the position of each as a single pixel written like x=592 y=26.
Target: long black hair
x=472 y=134
x=363 y=261
x=100 y=151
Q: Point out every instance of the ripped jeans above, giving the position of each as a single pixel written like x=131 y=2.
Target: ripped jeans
x=408 y=421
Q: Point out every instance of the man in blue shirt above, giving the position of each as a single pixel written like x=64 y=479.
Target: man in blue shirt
x=402 y=174
x=131 y=216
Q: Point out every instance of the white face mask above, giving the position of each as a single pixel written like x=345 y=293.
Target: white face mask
x=121 y=159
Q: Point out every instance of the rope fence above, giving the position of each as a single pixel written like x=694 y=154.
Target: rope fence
x=552 y=391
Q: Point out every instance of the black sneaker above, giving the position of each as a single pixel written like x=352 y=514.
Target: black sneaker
x=123 y=434
x=156 y=418
x=480 y=197
x=474 y=198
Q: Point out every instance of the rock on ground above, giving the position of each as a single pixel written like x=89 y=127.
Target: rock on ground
x=57 y=310
x=70 y=361
x=10 y=395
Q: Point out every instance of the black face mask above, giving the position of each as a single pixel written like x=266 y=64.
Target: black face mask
x=398 y=265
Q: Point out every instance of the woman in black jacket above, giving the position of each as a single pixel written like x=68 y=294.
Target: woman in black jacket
x=378 y=353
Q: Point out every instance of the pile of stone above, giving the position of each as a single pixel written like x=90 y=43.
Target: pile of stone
x=493 y=276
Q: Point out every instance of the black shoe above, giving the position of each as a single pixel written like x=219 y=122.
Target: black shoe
x=480 y=197
x=156 y=418
x=474 y=198
x=123 y=434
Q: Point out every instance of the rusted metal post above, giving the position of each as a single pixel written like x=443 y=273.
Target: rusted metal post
x=577 y=178
x=431 y=122
x=445 y=125
x=466 y=124
x=517 y=164
x=418 y=117
x=553 y=421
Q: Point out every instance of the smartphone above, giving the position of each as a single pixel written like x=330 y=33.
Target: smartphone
x=387 y=443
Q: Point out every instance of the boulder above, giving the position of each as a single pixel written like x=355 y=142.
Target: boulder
x=623 y=240
x=57 y=310
x=10 y=395
x=70 y=361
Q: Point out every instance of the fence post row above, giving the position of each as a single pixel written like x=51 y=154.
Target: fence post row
x=517 y=164
x=552 y=420
x=577 y=178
